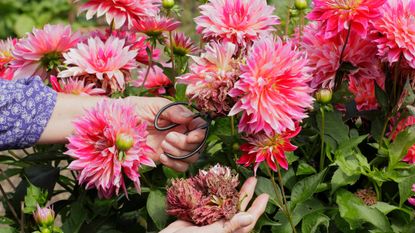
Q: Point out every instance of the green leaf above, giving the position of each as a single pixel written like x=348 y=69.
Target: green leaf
x=312 y=222
x=305 y=169
x=305 y=188
x=305 y=208
x=405 y=189
x=181 y=92
x=340 y=179
x=384 y=207
x=355 y=212
x=156 y=207
x=34 y=196
x=23 y=24
x=381 y=97
x=264 y=185
x=334 y=127
x=77 y=217
x=400 y=146
x=7 y=229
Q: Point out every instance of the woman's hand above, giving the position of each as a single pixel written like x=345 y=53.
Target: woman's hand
x=242 y=222
x=174 y=141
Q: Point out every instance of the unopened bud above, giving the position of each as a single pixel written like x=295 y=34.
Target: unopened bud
x=124 y=142
x=301 y=4
x=44 y=216
x=324 y=95
x=167 y=4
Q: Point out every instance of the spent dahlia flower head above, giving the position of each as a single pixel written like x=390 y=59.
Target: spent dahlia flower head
x=6 y=57
x=211 y=77
x=236 y=21
x=109 y=145
x=75 y=86
x=273 y=89
x=108 y=62
x=339 y=15
x=120 y=12
x=155 y=26
x=268 y=148
x=324 y=56
x=394 y=32
x=206 y=198
x=41 y=51
x=156 y=81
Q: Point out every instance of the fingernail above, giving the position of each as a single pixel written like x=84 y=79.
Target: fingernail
x=245 y=219
x=186 y=114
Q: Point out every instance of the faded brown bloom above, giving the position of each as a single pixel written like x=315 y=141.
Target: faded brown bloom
x=204 y=199
x=367 y=195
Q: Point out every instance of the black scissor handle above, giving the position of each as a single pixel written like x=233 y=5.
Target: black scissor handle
x=200 y=147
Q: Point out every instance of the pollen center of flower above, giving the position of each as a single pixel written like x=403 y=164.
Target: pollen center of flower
x=51 y=60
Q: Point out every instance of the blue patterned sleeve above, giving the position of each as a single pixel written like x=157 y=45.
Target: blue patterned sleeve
x=25 y=108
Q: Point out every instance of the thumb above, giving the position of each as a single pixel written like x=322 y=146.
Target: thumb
x=239 y=221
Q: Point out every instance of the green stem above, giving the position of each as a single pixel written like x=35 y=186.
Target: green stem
x=288 y=19
x=378 y=191
x=382 y=135
x=150 y=64
x=301 y=25
x=281 y=199
x=173 y=66
x=233 y=126
x=322 y=155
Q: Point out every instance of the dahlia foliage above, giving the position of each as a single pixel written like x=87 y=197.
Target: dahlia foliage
x=318 y=103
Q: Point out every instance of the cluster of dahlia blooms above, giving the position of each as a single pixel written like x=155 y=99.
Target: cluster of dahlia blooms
x=205 y=198
x=109 y=145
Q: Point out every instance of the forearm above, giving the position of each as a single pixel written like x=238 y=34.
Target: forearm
x=67 y=109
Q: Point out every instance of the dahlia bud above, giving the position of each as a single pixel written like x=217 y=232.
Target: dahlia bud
x=124 y=142
x=45 y=230
x=301 y=4
x=44 y=216
x=168 y=4
x=324 y=95
x=236 y=146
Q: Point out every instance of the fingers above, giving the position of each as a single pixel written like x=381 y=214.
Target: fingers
x=177 y=165
x=258 y=207
x=247 y=191
x=186 y=142
x=239 y=221
x=178 y=114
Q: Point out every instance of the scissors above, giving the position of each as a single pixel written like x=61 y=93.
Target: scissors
x=198 y=114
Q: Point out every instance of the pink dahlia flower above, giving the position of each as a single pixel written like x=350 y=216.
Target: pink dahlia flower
x=395 y=32
x=273 y=88
x=156 y=81
x=110 y=62
x=204 y=199
x=6 y=57
x=155 y=26
x=182 y=45
x=75 y=86
x=237 y=21
x=41 y=51
x=339 y=15
x=271 y=149
x=363 y=88
x=211 y=78
x=108 y=145
x=324 y=56
x=411 y=200
x=120 y=12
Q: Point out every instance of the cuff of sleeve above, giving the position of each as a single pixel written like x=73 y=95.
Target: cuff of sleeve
x=41 y=101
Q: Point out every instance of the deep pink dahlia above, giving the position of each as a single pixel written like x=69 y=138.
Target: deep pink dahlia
x=109 y=62
x=156 y=81
x=75 y=86
x=121 y=12
x=273 y=89
x=395 y=32
x=411 y=200
x=155 y=26
x=324 y=56
x=338 y=15
x=363 y=87
x=212 y=76
x=109 y=144
x=271 y=149
x=204 y=199
x=6 y=57
x=237 y=21
x=41 y=50
x=401 y=126
x=182 y=45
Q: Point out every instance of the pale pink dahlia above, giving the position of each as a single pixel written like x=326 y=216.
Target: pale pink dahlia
x=395 y=32
x=41 y=51
x=270 y=149
x=211 y=78
x=75 y=86
x=108 y=145
x=110 y=62
x=273 y=89
x=204 y=199
x=363 y=88
x=237 y=21
x=339 y=15
x=120 y=12
x=156 y=81
x=6 y=57
x=155 y=26
x=324 y=56
x=401 y=126
x=182 y=45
